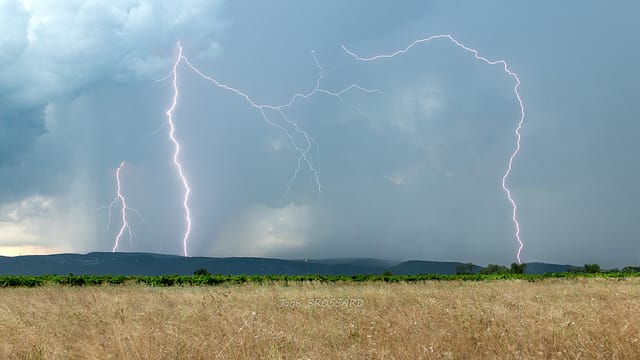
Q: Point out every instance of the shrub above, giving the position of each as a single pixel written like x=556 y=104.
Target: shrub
x=518 y=268
x=494 y=269
x=201 y=271
x=592 y=268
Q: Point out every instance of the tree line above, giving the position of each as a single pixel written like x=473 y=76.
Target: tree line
x=468 y=268
x=205 y=279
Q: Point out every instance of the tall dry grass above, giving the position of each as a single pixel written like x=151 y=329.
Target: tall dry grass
x=552 y=319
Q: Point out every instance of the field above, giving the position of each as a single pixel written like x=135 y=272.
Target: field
x=572 y=318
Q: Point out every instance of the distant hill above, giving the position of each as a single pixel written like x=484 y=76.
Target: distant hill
x=100 y=263
x=427 y=267
x=541 y=268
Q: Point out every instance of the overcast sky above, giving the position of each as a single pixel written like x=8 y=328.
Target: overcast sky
x=411 y=171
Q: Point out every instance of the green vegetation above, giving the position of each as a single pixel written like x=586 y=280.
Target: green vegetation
x=208 y=280
x=592 y=268
x=201 y=271
x=518 y=268
x=493 y=269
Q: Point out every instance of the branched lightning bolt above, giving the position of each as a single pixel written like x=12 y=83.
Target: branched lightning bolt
x=176 y=154
x=516 y=92
x=266 y=109
x=124 y=209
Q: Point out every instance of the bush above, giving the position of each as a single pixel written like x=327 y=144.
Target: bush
x=201 y=271
x=494 y=269
x=592 y=268
x=518 y=268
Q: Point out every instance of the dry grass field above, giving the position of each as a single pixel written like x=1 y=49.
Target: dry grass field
x=551 y=319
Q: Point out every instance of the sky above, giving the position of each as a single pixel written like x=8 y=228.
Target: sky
x=412 y=170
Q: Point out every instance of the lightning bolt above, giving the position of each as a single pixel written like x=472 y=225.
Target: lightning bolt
x=176 y=154
x=510 y=73
x=265 y=111
x=124 y=209
x=280 y=110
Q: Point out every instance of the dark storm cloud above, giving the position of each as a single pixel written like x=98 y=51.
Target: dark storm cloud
x=18 y=128
x=409 y=181
x=53 y=51
x=413 y=172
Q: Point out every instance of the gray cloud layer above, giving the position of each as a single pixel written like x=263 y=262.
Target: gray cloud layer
x=52 y=51
x=413 y=172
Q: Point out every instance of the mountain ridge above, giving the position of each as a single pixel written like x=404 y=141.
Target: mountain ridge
x=103 y=263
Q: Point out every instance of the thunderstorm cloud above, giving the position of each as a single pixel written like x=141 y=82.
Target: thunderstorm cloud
x=411 y=171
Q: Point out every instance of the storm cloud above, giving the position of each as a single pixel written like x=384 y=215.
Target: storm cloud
x=411 y=172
